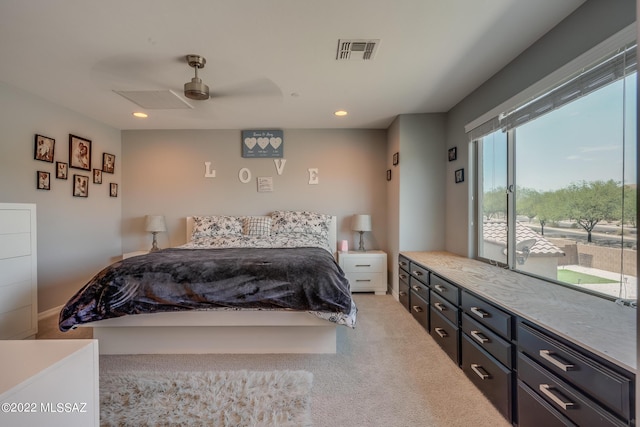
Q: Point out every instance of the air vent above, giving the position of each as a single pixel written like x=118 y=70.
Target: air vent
x=356 y=49
x=155 y=99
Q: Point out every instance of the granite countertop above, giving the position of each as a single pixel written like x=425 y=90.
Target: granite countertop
x=598 y=325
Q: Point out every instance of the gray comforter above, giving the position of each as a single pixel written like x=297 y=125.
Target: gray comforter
x=305 y=279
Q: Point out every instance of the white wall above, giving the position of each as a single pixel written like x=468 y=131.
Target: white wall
x=76 y=236
x=163 y=173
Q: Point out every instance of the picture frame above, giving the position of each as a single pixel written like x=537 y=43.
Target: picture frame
x=79 y=153
x=108 y=162
x=80 y=186
x=62 y=170
x=113 y=189
x=97 y=176
x=459 y=175
x=43 y=180
x=44 y=148
x=453 y=154
x=388 y=174
x=396 y=158
x=265 y=184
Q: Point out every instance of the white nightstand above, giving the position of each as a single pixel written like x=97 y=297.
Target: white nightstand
x=366 y=271
x=131 y=254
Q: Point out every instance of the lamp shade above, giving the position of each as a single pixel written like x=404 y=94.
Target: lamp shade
x=155 y=223
x=361 y=223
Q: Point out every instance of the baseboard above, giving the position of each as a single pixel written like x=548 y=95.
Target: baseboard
x=51 y=312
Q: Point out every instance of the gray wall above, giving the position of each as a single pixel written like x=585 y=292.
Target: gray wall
x=76 y=236
x=163 y=173
x=416 y=193
x=590 y=24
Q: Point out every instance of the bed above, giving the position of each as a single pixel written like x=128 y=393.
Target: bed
x=248 y=298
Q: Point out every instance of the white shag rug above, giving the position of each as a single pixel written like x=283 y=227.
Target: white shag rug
x=232 y=398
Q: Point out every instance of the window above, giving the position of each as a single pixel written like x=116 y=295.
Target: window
x=556 y=183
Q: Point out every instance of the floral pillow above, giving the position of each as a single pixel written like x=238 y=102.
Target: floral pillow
x=257 y=225
x=300 y=222
x=211 y=226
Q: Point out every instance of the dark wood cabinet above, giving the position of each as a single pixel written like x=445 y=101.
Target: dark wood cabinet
x=531 y=375
x=571 y=380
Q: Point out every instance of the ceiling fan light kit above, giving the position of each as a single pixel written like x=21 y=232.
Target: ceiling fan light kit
x=195 y=89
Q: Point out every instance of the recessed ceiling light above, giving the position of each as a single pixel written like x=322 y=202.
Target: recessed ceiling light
x=140 y=115
x=340 y=113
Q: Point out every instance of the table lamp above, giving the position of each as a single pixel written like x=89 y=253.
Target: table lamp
x=155 y=224
x=361 y=223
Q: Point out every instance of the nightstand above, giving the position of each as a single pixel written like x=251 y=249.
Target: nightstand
x=132 y=254
x=366 y=271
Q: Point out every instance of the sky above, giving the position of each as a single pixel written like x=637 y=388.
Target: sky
x=581 y=141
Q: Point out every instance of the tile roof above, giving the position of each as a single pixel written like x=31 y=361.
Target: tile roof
x=496 y=232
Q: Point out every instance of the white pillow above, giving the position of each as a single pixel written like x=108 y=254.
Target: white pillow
x=217 y=225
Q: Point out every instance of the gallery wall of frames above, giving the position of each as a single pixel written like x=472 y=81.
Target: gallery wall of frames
x=78 y=166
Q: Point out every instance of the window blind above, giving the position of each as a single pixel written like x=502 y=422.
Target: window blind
x=576 y=78
x=618 y=65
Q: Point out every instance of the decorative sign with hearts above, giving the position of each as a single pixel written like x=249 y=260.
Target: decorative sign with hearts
x=262 y=143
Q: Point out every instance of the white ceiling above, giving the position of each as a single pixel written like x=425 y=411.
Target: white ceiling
x=275 y=59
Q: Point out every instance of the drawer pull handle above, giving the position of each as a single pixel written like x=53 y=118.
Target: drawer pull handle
x=477 y=335
x=403 y=276
x=363 y=280
x=416 y=288
x=478 y=312
x=417 y=273
x=546 y=390
x=402 y=264
x=363 y=265
x=440 y=288
x=479 y=370
x=439 y=306
x=441 y=332
x=417 y=308
x=548 y=356
x=402 y=293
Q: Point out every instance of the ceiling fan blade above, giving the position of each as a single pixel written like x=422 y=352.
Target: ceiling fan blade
x=261 y=87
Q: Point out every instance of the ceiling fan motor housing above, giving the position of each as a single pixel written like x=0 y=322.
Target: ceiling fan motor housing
x=195 y=89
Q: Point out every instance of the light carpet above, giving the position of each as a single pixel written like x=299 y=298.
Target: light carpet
x=226 y=398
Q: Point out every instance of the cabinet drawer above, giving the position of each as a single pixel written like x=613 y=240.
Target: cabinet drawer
x=403 y=294
x=448 y=290
x=446 y=335
x=364 y=264
x=403 y=263
x=403 y=276
x=419 y=273
x=487 y=314
x=607 y=386
x=562 y=396
x=419 y=288
x=488 y=341
x=533 y=411
x=420 y=310
x=493 y=379
x=366 y=281
x=445 y=308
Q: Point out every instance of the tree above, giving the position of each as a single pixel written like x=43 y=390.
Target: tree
x=494 y=202
x=588 y=203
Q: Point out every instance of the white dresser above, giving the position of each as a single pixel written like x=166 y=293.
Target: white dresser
x=18 y=271
x=366 y=270
x=49 y=383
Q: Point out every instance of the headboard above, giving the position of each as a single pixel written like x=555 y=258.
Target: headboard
x=333 y=232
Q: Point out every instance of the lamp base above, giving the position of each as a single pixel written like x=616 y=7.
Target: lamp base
x=154 y=246
x=361 y=246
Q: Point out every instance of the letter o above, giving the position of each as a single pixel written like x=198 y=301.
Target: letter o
x=244 y=175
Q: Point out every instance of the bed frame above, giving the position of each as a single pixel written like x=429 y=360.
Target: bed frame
x=197 y=332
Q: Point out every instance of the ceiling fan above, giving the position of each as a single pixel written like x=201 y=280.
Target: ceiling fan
x=195 y=89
